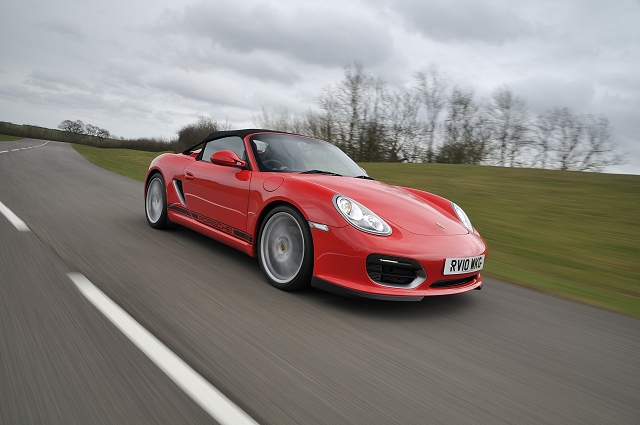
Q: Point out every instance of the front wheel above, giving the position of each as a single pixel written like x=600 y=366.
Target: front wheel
x=285 y=249
x=155 y=203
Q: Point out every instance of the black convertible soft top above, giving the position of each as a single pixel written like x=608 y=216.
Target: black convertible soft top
x=240 y=133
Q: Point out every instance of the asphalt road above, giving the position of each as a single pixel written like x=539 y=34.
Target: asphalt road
x=503 y=355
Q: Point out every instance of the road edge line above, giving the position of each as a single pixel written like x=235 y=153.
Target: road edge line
x=14 y=219
x=193 y=384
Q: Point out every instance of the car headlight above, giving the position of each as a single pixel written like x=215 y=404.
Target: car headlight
x=463 y=217
x=360 y=216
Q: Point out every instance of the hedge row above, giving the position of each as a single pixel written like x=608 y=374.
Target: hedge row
x=35 y=132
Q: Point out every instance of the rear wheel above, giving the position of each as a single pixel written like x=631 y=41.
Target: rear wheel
x=156 y=203
x=285 y=249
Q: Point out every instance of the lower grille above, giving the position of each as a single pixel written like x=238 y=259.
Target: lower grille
x=452 y=282
x=395 y=271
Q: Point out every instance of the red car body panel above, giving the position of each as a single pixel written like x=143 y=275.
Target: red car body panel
x=231 y=202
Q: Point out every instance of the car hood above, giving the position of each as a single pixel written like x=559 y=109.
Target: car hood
x=393 y=204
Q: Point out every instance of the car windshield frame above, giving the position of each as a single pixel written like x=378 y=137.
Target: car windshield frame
x=292 y=153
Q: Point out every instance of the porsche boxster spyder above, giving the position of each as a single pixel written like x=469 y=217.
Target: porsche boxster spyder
x=313 y=217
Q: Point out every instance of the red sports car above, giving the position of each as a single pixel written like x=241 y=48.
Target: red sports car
x=313 y=217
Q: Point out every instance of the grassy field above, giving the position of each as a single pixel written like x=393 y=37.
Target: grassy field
x=126 y=162
x=575 y=235
x=4 y=138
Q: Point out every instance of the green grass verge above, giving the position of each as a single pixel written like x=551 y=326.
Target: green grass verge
x=4 y=138
x=126 y=162
x=575 y=235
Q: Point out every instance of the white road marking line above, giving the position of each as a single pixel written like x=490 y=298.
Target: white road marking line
x=194 y=385
x=28 y=147
x=14 y=219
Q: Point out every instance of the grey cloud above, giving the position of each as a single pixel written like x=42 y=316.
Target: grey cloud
x=20 y=93
x=198 y=87
x=203 y=56
x=144 y=77
x=72 y=100
x=209 y=85
x=621 y=86
x=461 y=20
x=263 y=68
x=128 y=72
x=69 y=30
x=314 y=35
x=543 y=91
x=55 y=80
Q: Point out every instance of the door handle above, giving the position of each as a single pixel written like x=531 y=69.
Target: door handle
x=188 y=176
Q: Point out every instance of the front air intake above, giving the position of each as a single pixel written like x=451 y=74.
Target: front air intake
x=453 y=282
x=395 y=271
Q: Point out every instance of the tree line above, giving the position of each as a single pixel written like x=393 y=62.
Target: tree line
x=186 y=137
x=433 y=120
x=78 y=129
x=77 y=132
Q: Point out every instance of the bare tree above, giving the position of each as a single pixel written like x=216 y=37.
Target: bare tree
x=372 y=122
x=75 y=128
x=372 y=141
x=431 y=88
x=90 y=130
x=353 y=113
x=96 y=132
x=568 y=137
x=352 y=102
x=600 y=150
x=102 y=134
x=192 y=134
x=325 y=124
x=567 y=141
x=510 y=122
x=544 y=127
x=317 y=125
x=282 y=120
x=466 y=130
x=403 y=128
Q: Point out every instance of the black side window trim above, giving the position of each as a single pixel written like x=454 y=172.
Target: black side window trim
x=247 y=165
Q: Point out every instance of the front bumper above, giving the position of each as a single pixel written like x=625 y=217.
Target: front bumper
x=341 y=262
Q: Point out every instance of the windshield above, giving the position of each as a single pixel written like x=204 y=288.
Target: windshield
x=289 y=153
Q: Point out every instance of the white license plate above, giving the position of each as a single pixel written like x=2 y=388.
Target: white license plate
x=463 y=265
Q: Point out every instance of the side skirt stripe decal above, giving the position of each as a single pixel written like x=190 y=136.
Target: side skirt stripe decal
x=179 y=209
x=214 y=224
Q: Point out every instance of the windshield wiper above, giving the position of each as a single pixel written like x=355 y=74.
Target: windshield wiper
x=363 y=177
x=328 y=173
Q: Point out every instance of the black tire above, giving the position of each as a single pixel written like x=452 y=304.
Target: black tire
x=155 y=203
x=285 y=249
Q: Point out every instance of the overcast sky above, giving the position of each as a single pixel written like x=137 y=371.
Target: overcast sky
x=147 y=67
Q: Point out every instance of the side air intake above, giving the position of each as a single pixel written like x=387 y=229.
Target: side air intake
x=177 y=184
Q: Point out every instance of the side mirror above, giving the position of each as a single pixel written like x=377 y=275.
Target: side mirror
x=227 y=159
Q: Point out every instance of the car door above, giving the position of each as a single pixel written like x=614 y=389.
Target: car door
x=218 y=195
